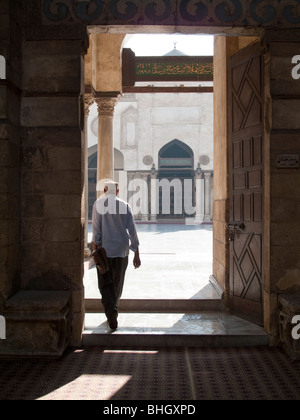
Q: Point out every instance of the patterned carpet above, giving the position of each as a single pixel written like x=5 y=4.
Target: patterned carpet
x=165 y=374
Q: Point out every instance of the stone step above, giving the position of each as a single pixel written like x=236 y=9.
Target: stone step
x=216 y=329
x=159 y=305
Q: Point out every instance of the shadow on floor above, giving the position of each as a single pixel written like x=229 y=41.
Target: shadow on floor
x=168 y=374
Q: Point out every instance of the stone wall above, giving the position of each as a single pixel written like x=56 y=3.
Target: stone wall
x=52 y=168
x=10 y=138
x=41 y=164
x=282 y=229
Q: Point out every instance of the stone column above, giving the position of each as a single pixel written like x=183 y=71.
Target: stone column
x=145 y=197
x=130 y=177
x=199 y=198
x=207 y=215
x=88 y=101
x=106 y=107
x=154 y=195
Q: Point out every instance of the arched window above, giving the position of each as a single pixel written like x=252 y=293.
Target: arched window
x=2 y=67
x=119 y=160
x=176 y=159
x=176 y=166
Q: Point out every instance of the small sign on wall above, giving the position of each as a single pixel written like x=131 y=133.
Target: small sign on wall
x=287 y=160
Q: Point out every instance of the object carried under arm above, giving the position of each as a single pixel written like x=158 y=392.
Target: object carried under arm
x=100 y=258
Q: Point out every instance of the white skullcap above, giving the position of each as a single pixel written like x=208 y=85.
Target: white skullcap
x=111 y=186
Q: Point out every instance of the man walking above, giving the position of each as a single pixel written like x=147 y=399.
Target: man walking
x=114 y=230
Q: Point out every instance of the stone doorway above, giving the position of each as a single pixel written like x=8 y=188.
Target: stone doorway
x=159 y=240
x=225 y=47
x=185 y=169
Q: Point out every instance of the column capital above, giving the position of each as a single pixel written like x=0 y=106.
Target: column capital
x=106 y=106
x=88 y=102
x=207 y=175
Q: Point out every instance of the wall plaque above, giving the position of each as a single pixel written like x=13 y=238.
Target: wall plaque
x=174 y=68
x=288 y=161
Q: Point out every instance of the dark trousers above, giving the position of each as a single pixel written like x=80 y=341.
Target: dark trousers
x=111 y=284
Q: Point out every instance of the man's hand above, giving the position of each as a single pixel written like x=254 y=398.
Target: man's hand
x=137 y=261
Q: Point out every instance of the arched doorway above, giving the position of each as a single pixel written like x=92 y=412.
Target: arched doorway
x=176 y=164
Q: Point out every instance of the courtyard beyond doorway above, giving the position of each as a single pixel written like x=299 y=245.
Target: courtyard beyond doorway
x=176 y=264
x=169 y=301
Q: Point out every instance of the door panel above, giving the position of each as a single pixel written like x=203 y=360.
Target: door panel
x=246 y=183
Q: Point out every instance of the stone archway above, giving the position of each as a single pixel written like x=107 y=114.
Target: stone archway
x=225 y=48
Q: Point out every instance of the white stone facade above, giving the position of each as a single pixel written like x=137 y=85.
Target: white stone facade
x=144 y=123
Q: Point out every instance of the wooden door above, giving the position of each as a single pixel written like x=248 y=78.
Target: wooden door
x=246 y=131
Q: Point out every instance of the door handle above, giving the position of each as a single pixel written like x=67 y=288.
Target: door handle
x=236 y=226
x=233 y=228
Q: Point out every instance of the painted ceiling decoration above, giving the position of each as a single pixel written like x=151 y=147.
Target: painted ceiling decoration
x=240 y=13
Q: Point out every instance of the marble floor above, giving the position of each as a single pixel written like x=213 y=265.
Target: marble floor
x=176 y=264
x=201 y=323
x=194 y=329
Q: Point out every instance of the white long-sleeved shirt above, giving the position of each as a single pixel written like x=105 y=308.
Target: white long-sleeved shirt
x=114 y=227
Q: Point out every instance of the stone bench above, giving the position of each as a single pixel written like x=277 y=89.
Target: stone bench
x=289 y=308
x=38 y=323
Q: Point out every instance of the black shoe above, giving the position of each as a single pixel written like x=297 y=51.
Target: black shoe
x=113 y=321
